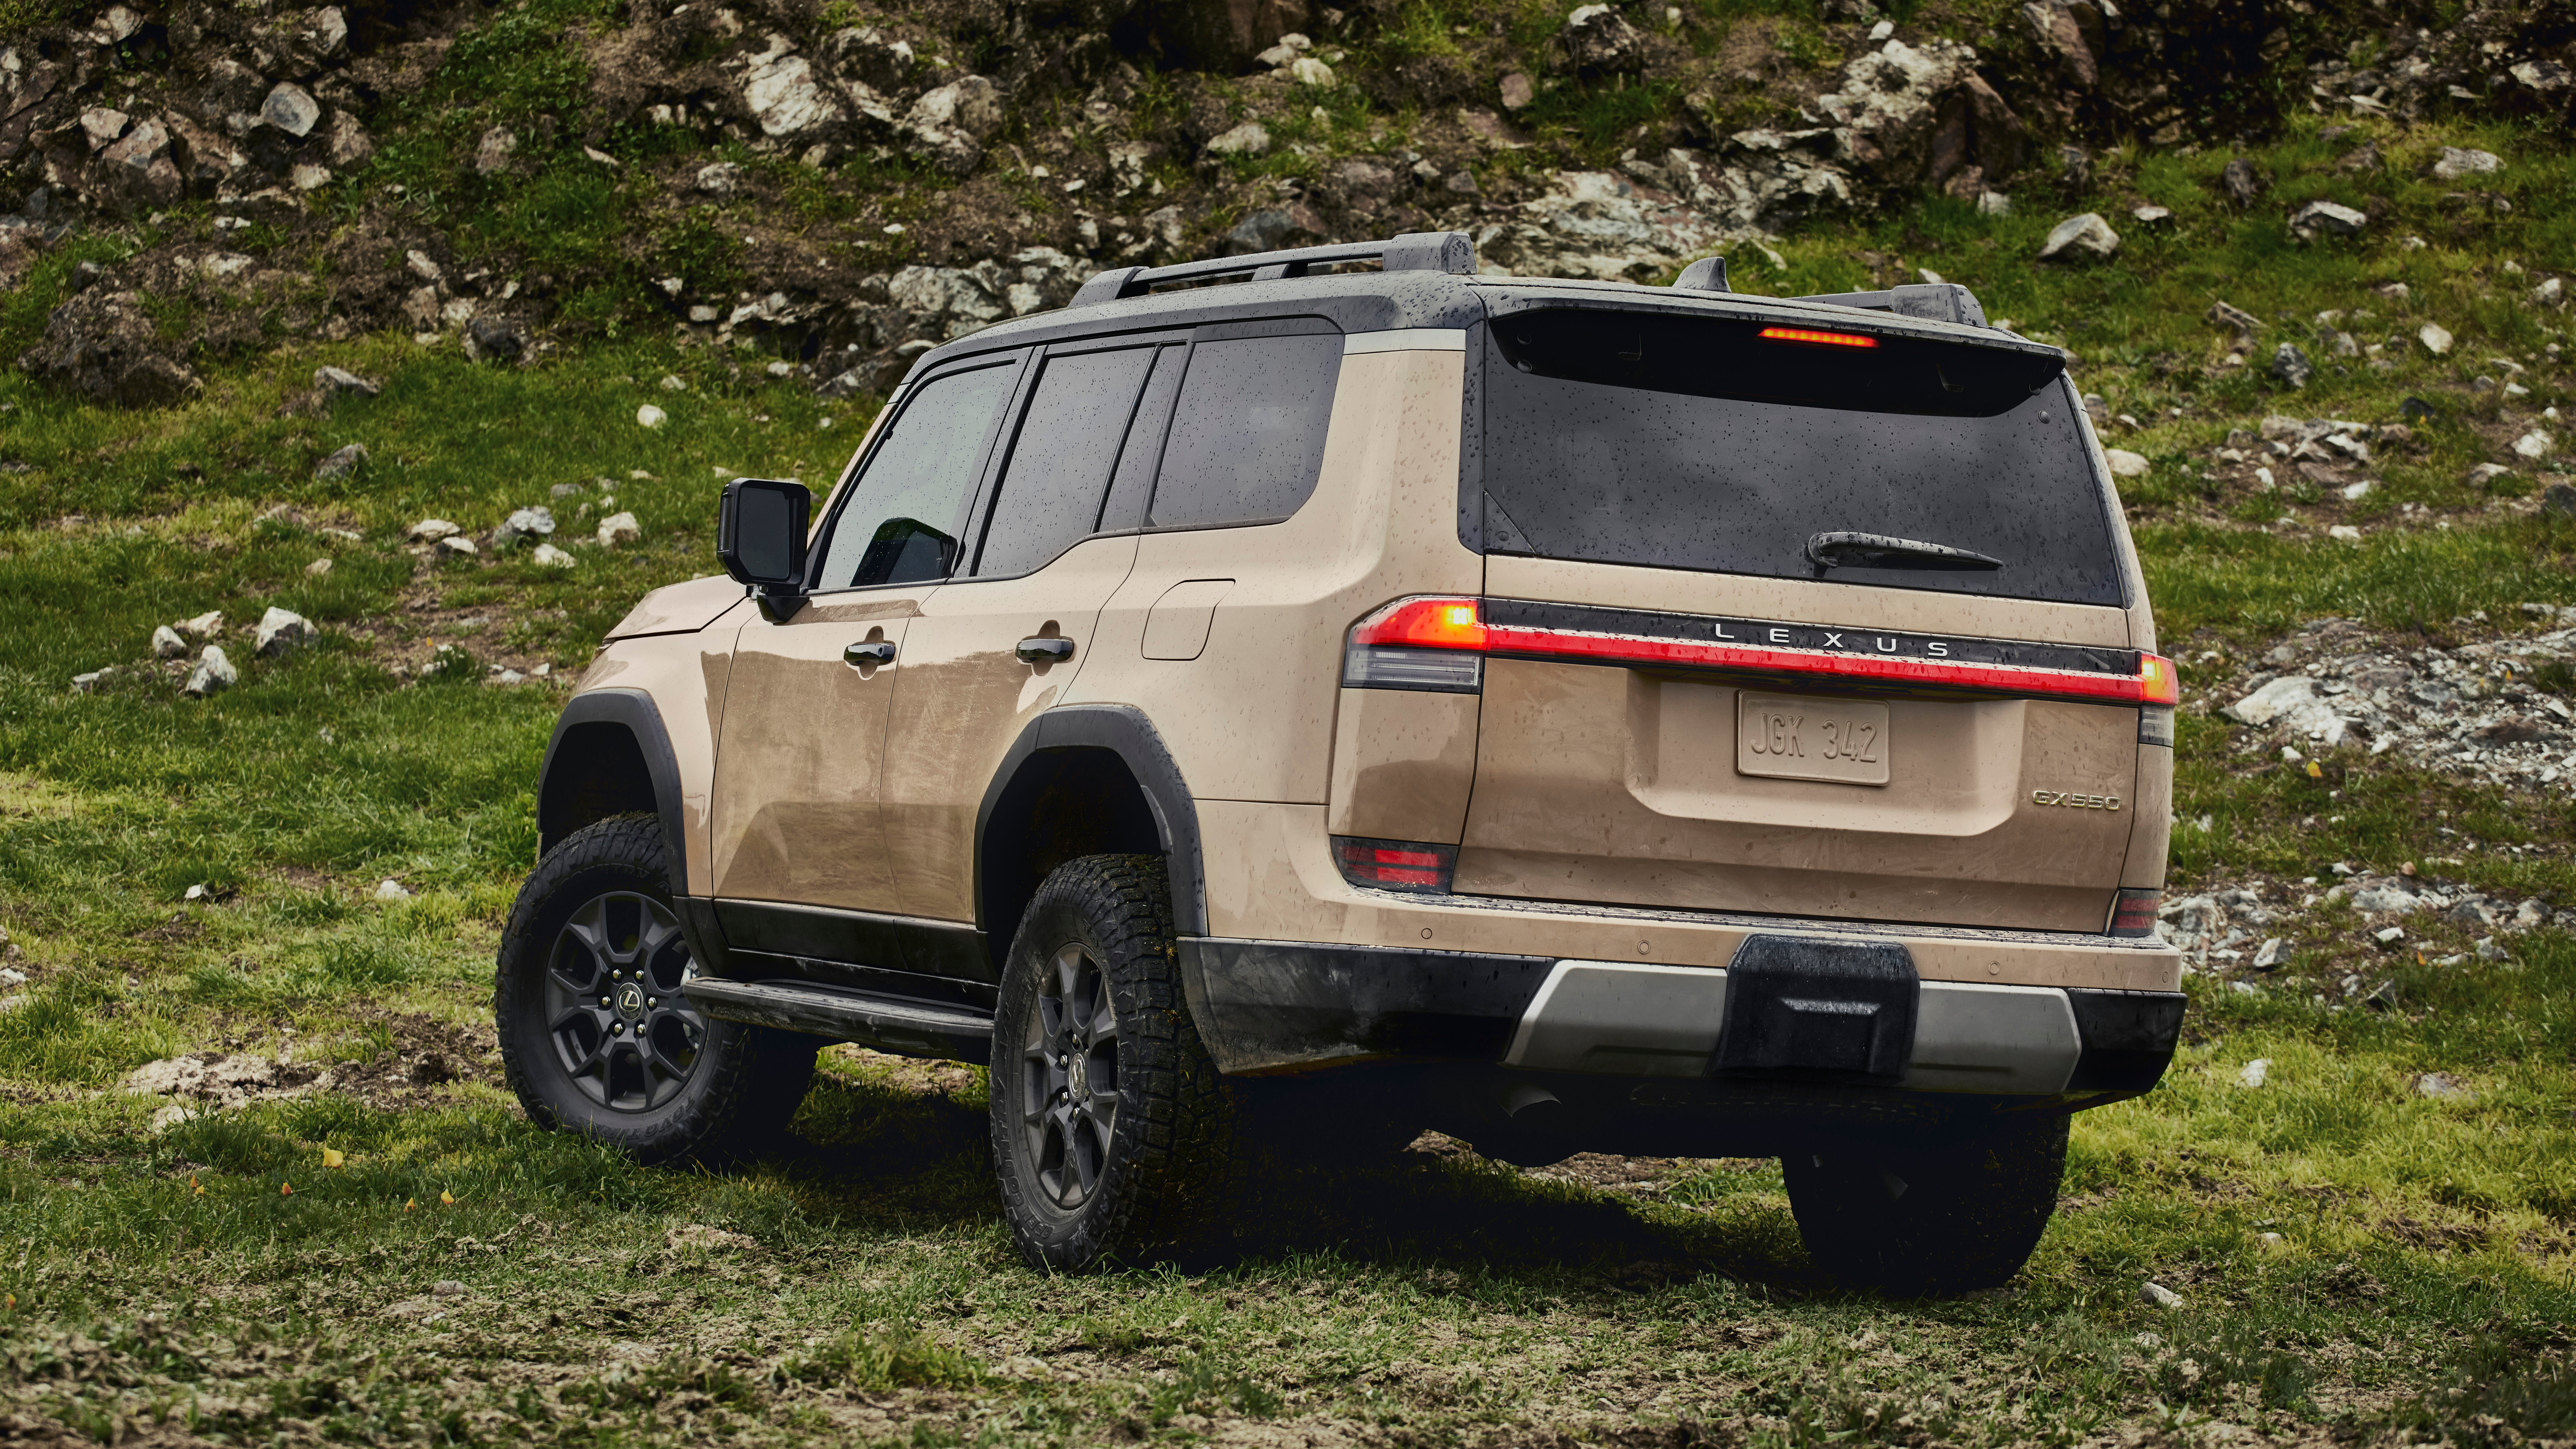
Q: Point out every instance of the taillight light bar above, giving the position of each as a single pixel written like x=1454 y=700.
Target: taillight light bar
x=2134 y=913
x=1459 y=624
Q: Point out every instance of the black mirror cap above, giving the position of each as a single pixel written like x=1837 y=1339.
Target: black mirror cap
x=760 y=539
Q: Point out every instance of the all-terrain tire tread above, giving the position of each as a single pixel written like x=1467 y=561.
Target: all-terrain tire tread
x=756 y=1077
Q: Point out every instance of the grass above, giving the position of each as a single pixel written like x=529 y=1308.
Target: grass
x=214 y=1276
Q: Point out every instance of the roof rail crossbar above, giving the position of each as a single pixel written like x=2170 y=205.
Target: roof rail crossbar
x=1933 y=301
x=1451 y=252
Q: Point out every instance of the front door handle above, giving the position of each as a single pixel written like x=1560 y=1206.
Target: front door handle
x=1045 y=651
x=868 y=653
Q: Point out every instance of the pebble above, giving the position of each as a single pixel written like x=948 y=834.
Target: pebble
x=671 y=383
x=391 y=890
x=524 y=523
x=2442 y=1087
x=2436 y=339
x=281 y=630
x=2256 y=1072
x=214 y=672
x=2157 y=1295
x=2270 y=1240
x=2291 y=366
x=341 y=380
x=205 y=626
x=1249 y=139
x=2534 y=444
x=166 y=644
x=2125 y=464
x=193 y=893
x=447 y=1288
x=619 y=528
x=549 y=556
x=458 y=544
x=2455 y=163
x=431 y=530
x=318 y=568
x=650 y=416
x=2328 y=217
x=2345 y=532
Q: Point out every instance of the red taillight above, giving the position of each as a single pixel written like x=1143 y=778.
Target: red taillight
x=1822 y=339
x=2134 y=913
x=1424 y=623
x=1394 y=865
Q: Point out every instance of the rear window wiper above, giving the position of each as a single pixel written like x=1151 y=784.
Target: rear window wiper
x=1879 y=551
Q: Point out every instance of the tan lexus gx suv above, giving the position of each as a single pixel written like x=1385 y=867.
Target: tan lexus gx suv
x=1334 y=693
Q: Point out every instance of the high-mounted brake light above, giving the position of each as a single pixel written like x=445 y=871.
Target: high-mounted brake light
x=1823 y=339
x=1383 y=654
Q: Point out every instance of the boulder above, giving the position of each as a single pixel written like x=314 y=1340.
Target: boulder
x=785 y=96
x=1598 y=40
x=142 y=172
x=949 y=125
x=2327 y=218
x=281 y=630
x=105 y=347
x=1275 y=229
x=292 y=109
x=2455 y=163
x=495 y=338
x=213 y=673
x=2087 y=235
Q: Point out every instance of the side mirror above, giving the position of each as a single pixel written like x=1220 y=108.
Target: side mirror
x=760 y=539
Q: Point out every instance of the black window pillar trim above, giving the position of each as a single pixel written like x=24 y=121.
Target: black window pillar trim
x=1124 y=731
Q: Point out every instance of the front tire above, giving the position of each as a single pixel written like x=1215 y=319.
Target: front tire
x=1114 y=1138
x=1952 y=1217
x=597 y=1035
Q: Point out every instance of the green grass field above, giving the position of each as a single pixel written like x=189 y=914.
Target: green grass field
x=460 y=1277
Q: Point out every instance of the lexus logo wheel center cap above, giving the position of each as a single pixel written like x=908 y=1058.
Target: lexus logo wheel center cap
x=630 y=1001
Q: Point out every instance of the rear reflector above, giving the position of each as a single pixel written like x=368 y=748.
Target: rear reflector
x=1395 y=865
x=1459 y=624
x=1444 y=671
x=2134 y=913
x=1822 y=339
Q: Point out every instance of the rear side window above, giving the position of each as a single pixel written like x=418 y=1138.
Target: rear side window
x=1247 y=439
x=1058 y=476
x=1696 y=443
x=904 y=514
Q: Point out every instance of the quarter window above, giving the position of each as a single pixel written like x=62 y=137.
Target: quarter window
x=906 y=512
x=1247 y=439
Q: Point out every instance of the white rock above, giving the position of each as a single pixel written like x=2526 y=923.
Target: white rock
x=2435 y=338
x=205 y=626
x=166 y=644
x=2356 y=492
x=318 y=567
x=2534 y=444
x=2548 y=293
x=786 y=100
x=431 y=530
x=524 y=523
x=2157 y=1295
x=290 y=108
x=2151 y=214
x=2327 y=216
x=2455 y=163
x=281 y=630
x=618 y=528
x=549 y=556
x=458 y=544
x=213 y=672
x=2389 y=935
x=2442 y=1086
x=1249 y=139
x=2344 y=532
x=193 y=893
x=2125 y=464
x=2088 y=234
x=1994 y=203
x=1305 y=70
x=391 y=890
x=2274 y=951
x=650 y=416
x=2255 y=1073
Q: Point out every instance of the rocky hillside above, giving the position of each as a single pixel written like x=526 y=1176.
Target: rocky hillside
x=834 y=187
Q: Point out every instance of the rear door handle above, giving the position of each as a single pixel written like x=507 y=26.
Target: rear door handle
x=868 y=653
x=1045 y=651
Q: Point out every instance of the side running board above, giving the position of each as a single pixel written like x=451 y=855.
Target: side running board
x=907 y=1028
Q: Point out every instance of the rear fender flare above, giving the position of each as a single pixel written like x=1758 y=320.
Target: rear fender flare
x=1122 y=730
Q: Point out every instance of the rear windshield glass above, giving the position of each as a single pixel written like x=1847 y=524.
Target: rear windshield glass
x=1695 y=443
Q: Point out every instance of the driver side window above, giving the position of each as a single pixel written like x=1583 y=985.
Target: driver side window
x=905 y=514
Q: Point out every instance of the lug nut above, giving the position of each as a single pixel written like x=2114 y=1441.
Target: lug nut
x=617 y=1028
x=603 y=1001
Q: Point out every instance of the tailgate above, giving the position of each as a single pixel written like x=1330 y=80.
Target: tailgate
x=1721 y=785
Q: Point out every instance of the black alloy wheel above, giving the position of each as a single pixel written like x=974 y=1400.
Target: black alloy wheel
x=623 y=1029
x=1069 y=1078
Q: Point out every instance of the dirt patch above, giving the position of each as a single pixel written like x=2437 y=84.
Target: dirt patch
x=1605 y=1173
x=428 y=1056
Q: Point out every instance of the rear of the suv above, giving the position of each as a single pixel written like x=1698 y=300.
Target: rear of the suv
x=1572 y=716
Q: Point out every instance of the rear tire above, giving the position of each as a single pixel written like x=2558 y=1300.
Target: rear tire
x=1948 y=1218
x=597 y=1036
x=1114 y=1138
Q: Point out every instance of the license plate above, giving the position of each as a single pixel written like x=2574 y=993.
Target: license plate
x=1791 y=737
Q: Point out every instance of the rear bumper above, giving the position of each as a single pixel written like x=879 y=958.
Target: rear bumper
x=1293 y=1007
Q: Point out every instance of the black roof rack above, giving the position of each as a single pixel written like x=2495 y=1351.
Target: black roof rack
x=1933 y=301
x=1452 y=252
